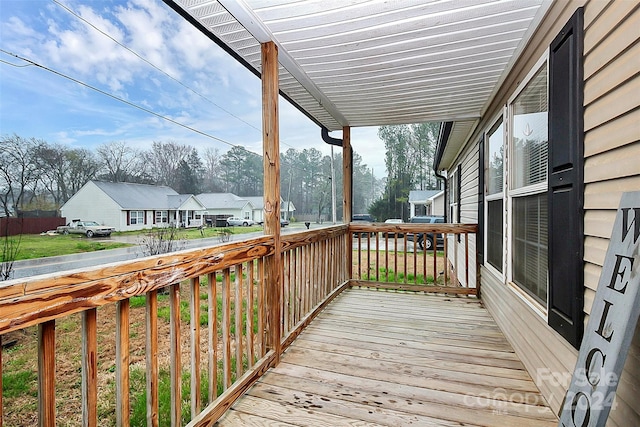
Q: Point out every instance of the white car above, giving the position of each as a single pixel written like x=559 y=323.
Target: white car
x=393 y=221
x=234 y=220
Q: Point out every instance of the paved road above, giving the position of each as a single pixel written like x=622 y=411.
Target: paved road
x=34 y=267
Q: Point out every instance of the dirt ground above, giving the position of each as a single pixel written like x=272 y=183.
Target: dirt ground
x=21 y=410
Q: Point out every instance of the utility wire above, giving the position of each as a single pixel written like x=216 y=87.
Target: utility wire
x=129 y=103
x=158 y=68
x=152 y=64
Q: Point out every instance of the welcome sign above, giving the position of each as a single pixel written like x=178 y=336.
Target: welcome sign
x=610 y=327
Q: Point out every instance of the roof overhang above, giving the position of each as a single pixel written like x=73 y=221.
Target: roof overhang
x=372 y=63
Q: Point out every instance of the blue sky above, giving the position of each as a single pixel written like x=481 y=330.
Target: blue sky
x=183 y=76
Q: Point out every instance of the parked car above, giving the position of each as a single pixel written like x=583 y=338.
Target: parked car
x=426 y=242
x=88 y=228
x=363 y=218
x=234 y=220
x=392 y=233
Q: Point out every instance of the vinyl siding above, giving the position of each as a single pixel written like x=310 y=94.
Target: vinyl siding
x=547 y=356
x=92 y=204
x=612 y=150
x=468 y=213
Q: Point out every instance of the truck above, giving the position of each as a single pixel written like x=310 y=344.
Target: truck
x=88 y=228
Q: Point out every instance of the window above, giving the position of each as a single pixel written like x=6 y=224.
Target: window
x=533 y=179
x=454 y=196
x=528 y=144
x=162 y=217
x=495 y=189
x=136 y=217
x=530 y=245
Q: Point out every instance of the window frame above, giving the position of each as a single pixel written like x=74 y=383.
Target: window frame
x=529 y=190
x=161 y=217
x=495 y=124
x=136 y=217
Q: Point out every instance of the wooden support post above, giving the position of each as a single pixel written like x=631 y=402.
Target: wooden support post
x=90 y=368
x=47 y=374
x=175 y=368
x=271 y=159
x=1 y=411
x=152 y=358
x=195 y=346
x=122 y=363
x=347 y=176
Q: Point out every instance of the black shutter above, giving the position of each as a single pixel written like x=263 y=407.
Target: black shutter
x=481 y=174
x=566 y=182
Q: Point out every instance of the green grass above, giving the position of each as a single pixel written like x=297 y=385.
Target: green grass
x=390 y=276
x=139 y=396
x=164 y=312
x=40 y=246
x=17 y=379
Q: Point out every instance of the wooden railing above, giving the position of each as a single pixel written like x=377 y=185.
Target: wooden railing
x=203 y=317
x=428 y=257
x=176 y=338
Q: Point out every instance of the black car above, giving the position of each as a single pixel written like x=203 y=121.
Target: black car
x=426 y=242
x=363 y=218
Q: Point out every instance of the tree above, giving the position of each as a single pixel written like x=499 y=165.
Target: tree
x=163 y=161
x=409 y=162
x=121 y=162
x=212 y=179
x=19 y=172
x=190 y=174
x=242 y=172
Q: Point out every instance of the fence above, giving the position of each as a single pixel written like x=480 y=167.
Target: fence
x=15 y=226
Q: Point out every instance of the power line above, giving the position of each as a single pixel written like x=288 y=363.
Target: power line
x=152 y=64
x=129 y=103
x=158 y=68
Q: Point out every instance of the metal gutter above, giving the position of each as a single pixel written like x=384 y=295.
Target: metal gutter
x=445 y=133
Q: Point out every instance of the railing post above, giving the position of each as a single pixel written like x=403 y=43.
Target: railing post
x=47 y=374
x=347 y=197
x=271 y=159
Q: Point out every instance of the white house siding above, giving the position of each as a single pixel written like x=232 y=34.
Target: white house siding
x=612 y=150
x=468 y=213
x=612 y=155
x=92 y=204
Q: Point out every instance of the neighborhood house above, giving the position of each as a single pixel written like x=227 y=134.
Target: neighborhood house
x=128 y=206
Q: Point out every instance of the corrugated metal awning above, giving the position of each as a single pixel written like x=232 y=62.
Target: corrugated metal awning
x=372 y=63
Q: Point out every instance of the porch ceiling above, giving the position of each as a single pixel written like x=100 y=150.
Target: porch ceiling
x=372 y=63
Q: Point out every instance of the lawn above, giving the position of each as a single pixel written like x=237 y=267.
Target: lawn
x=39 y=246
x=33 y=246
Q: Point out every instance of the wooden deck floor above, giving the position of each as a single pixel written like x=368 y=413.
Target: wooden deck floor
x=396 y=359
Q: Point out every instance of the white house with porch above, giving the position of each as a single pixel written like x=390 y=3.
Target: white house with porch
x=128 y=206
x=427 y=202
x=224 y=205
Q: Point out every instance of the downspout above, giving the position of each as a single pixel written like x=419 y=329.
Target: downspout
x=445 y=133
x=338 y=143
x=328 y=139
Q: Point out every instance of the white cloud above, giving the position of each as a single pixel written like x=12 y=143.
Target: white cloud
x=51 y=35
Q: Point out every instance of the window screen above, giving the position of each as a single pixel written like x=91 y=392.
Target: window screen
x=530 y=132
x=530 y=244
x=495 y=228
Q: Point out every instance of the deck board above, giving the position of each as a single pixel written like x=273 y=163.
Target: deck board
x=395 y=359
